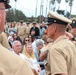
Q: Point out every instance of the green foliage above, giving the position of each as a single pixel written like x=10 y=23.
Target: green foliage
x=66 y=1
x=41 y=18
x=32 y=19
x=15 y=15
x=60 y=12
x=59 y=1
x=15 y=0
x=53 y=2
x=68 y=14
x=73 y=16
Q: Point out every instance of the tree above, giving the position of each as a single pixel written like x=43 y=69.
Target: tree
x=66 y=5
x=15 y=3
x=15 y=0
x=10 y=15
x=41 y=18
x=60 y=12
x=68 y=14
x=59 y=1
x=53 y=3
x=15 y=15
x=32 y=19
x=70 y=4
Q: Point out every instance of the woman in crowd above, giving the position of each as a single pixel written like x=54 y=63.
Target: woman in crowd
x=28 y=52
x=30 y=38
x=16 y=37
x=25 y=41
x=12 y=29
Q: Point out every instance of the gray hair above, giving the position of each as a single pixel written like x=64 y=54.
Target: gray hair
x=13 y=44
x=39 y=42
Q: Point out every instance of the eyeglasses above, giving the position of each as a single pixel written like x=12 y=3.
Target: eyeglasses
x=26 y=40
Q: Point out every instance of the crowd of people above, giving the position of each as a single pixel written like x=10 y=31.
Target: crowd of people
x=30 y=39
x=37 y=48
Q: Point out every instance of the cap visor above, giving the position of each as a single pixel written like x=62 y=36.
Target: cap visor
x=7 y=6
x=47 y=23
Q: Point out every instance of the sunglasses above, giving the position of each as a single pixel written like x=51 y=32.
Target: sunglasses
x=26 y=40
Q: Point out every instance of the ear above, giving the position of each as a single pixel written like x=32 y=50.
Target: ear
x=54 y=28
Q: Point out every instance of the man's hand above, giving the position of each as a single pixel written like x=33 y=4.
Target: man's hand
x=69 y=35
x=43 y=55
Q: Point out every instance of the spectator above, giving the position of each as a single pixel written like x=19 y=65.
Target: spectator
x=21 y=30
x=25 y=41
x=39 y=46
x=16 y=37
x=36 y=29
x=42 y=30
x=10 y=40
x=12 y=29
x=31 y=38
x=27 y=28
x=28 y=52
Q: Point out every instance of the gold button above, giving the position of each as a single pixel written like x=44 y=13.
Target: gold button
x=73 y=22
x=54 y=20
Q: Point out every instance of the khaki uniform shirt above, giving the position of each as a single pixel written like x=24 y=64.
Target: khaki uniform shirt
x=12 y=64
x=46 y=47
x=61 y=57
x=27 y=30
x=21 y=30
x=4 y=40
